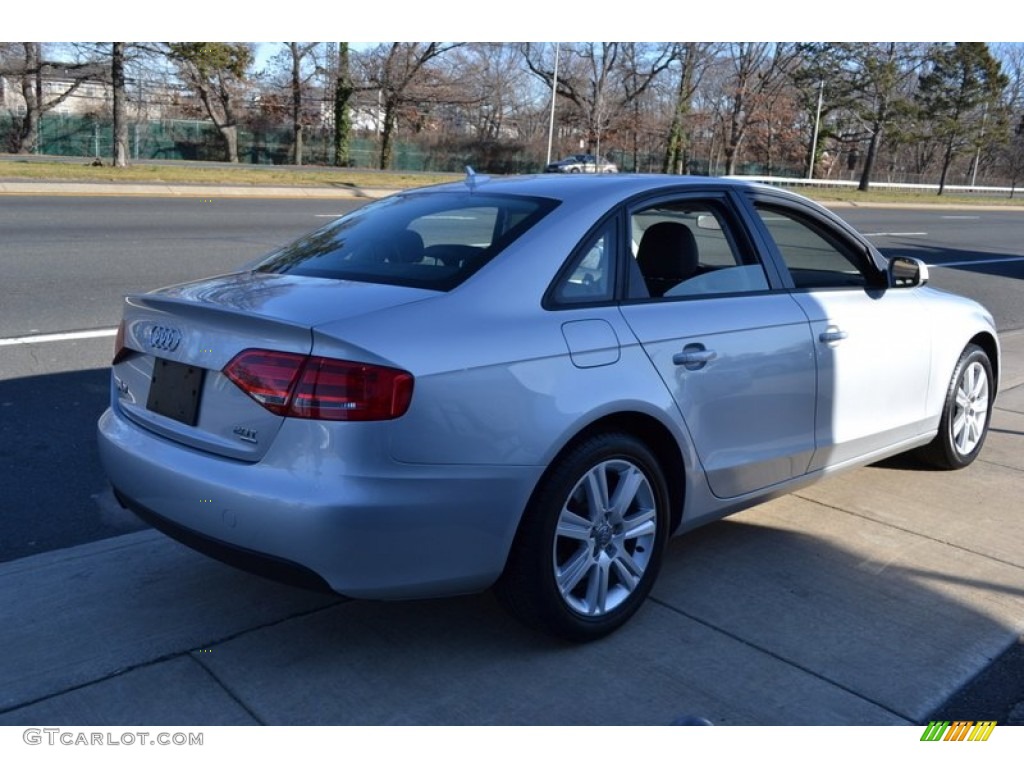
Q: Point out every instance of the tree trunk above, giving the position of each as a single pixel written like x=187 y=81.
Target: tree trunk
x=386 y=136
x=676 y=149
x=120 y=148
x=31 y=91
x=869 y=161
x=734 y=137
x=230 y=135
x=946 y=161
x=730 y=159
x=296 y=105
x=342 y=119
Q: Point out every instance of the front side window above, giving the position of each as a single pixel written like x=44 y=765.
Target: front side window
x=685 y=249
x=815 y=257
x=426 y=241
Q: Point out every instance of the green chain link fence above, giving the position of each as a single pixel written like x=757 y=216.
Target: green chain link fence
x=87 y=136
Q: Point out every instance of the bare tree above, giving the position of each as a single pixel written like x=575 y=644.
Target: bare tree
x=758 y=76
x=493 y=88
x=600 y=80
x=299 y=55
x=120 y=147
x=399 y=73
x=27 y=64
x=217 y=73
x=693 y=58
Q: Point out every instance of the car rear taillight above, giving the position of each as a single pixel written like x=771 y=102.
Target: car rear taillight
x=309 y=387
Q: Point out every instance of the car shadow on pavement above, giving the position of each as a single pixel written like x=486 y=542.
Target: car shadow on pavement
x=52 y=488
x=961 y=259
x=851 y=602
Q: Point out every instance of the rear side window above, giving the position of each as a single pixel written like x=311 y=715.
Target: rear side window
x=427 y=241
x=685 y=248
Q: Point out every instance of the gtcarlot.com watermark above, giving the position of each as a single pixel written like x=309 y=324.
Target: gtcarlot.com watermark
x=69 y=738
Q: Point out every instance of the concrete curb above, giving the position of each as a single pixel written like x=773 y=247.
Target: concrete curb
x=115 y=188
x=118 y=189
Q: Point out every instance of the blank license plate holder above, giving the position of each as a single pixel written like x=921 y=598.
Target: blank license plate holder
x=174 y=390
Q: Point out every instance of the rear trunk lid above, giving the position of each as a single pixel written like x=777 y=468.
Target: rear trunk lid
x=168 y=376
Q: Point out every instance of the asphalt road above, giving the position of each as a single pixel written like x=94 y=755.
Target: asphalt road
x=67 y=262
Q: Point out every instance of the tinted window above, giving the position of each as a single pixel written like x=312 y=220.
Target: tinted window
x=686 y=249
x=591 y=275
x=815 y=257
x=427 y=241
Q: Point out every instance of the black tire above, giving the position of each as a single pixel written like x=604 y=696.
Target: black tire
x=577 y=537
x=965 y=414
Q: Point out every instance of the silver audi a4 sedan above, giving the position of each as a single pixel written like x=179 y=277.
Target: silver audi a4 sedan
x=531 y=383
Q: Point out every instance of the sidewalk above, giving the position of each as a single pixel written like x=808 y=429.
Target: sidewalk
x=868 y=599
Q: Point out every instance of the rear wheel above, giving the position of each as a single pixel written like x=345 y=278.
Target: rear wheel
x=966 y=413
x=590 y=545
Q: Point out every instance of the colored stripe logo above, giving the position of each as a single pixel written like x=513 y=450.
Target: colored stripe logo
x=959 y=730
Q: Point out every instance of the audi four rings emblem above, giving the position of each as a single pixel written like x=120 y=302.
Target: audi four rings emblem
x=162 y=337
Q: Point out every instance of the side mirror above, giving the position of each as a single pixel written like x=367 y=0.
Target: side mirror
x=906 y=272
x=707 y=221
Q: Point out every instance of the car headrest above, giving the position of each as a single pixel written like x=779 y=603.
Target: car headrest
x=667 y=256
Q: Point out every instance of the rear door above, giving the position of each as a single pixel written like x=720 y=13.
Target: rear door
x=734 y=350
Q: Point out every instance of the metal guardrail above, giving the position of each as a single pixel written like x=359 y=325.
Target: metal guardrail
x=784 y=181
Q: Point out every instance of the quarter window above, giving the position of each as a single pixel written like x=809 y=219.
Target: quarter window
x=591 y=275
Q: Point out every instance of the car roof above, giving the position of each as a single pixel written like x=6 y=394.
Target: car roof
x=610 y=187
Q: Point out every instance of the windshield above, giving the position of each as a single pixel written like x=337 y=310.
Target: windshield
x=425 y=241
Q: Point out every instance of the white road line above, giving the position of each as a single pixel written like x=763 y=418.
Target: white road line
x=895 y=234
x=971 y=218
x=42 y=338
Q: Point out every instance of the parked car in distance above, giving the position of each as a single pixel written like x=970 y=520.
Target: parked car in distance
x=531 y=383
x=582 y=164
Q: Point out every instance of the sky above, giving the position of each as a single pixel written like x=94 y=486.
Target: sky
x=523 y=20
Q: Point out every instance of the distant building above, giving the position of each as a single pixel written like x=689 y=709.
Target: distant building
x=93 y=95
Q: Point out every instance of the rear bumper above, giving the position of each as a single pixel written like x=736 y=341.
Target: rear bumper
x=364 y=528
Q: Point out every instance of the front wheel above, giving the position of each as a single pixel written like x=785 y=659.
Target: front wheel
x=590 y=545
x=966 y=413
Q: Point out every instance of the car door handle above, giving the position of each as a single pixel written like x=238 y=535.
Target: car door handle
x=832 y=334
x=694 y=357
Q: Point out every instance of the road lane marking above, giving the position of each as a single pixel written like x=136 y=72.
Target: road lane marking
x=969 y=262
x=895 y=234
x=970 y=218
x=42 y=338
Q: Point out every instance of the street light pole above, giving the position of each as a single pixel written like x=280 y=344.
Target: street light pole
x=551 y=119
x=817 y=122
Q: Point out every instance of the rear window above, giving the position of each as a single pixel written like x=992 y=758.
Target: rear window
x=426 y=241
